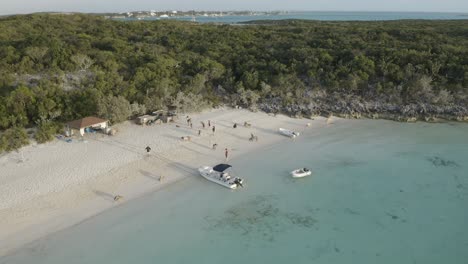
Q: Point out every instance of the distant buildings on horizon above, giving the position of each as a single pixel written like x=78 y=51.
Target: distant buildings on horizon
x=191 y=13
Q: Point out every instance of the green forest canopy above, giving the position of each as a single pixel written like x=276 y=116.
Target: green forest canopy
x=61 y=67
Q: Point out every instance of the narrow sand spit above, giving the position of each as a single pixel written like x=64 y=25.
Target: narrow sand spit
x=53 y=186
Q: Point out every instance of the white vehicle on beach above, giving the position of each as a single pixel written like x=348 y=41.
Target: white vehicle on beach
x=219 y=175
x=288 y=133
x=299 y=173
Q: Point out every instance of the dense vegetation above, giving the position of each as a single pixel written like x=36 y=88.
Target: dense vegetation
x=62 y=67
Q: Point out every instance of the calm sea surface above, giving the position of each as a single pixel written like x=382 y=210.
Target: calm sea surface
x=381 y=192
x=324 y=16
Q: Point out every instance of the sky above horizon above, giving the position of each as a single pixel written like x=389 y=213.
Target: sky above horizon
x=99 y=6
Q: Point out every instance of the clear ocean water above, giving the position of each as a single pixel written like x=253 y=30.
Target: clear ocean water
x=381 y=192
x=324 y=16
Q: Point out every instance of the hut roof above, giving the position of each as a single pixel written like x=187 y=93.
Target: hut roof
x=86 y=122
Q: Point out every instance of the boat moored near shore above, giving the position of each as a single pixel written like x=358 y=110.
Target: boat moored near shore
x=219 y=175
x=288 y=133
x=300 y=173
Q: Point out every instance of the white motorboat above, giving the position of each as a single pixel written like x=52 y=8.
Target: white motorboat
x=219 y=175
x=299 y=173
x=288 y=133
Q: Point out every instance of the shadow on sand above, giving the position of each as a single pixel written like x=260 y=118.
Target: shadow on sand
x=183 y=168
x=149 y=175
x=267 y=131
x=104 y=195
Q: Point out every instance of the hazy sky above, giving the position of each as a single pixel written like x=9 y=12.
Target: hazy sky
x=29 y=6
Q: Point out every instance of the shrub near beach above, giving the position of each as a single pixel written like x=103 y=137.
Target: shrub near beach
x=13 y=139
x=46 y=131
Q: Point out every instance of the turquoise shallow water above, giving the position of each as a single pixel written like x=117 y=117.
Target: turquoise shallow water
x=381 y=192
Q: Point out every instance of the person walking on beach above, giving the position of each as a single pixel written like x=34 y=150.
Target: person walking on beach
x=203 y=124
x=148 y=149
x=226 y=153
x=209 y=123
x=199 y=132
x=190 y=125
x=214 y=146
x=214 y=129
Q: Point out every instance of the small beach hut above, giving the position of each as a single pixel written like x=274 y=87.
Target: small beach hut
x=81 y=125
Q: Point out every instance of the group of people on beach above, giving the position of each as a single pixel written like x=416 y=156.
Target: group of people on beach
x=190 y=124
x=213 y=129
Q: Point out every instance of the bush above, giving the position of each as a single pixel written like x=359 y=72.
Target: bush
x=154 y=103
x=115 y=108
x=189 y=102
x=14 y=138
x=138 y=109
x=46 y=131
x=249 y=98
x=2 y=144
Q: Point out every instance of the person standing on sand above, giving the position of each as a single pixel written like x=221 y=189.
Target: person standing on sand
x=191 y=125
x=209 y=123
x=203 y=124
x=148 y=149
x=226 y=153
x=199 y=132
x=214 y=129
x=214 y=146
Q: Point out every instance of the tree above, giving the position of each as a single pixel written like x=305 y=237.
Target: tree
x=189 y=102
x=137 y=109
x=83 y=62
x=443 y=98
x=37 y=54
x=14 y=138
x=422 y=90
x=115 y=108
x=19 y=105
x=46 y=131
x=250 y=80
x=4 y=121
x=247 y=98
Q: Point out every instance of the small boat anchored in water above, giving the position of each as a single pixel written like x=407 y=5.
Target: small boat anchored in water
x=299 y=173
x=219 y=175
x=288 y=133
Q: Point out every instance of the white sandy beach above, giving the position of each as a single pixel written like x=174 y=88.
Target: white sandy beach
x=59 y=184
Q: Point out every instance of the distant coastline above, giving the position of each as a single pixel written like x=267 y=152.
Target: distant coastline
x=178 y=14
x=240 y=16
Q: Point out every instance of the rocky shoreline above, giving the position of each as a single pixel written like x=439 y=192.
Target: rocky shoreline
x=373 y=110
